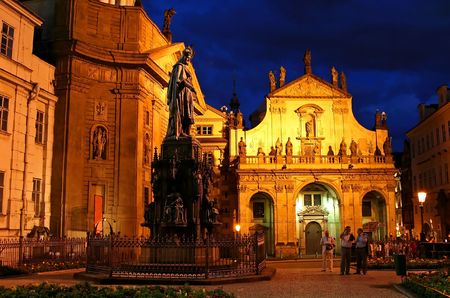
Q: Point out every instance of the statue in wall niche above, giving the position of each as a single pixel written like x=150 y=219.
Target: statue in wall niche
x=278 y=147
x=334 y=77
x=99 y=141
x=147 y=150
x=353 y=148
x=387 y=147
x=181 y=95
x=242 y=148
x=308 y=128
x=289 y=150
x=282 y=76
x=273 y=83
x=342 y=148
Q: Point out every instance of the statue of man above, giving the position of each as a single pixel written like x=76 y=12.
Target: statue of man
x=308 y=128
x=168 y=14
x=180 y=97
x=279 y=147
x=334 y=77
x=242 y=148
x=343 y=148
x=273 y=83
x=282 y=76
x=307 y=61
x=343 y=82
x=387 y=147
x=353 y=148
x=289 y=147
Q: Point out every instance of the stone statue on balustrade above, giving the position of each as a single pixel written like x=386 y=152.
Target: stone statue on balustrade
x=330 y=155
x=289 y=151
x=272 y=154
x=273 y=82
x=387 y=148
x=282 y=76
x=279 y=150
x=343 y=151
x=261 y=155
x=242 y=147
x=353 y=148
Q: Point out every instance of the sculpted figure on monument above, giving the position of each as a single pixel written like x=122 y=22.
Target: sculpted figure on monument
x=289 y=147
x=334 y=77
x=330 y=154
x=272 y=154
x=343 y=82
x=308 y=128
x=273 y=83
x=353 y=148
x=387 y=147
x=282 y=76
x=279 y=147
x=239 y=119
x=307 y=61
x=242 y=147
x=181 y=94
x=168 y=14
x=342 y=149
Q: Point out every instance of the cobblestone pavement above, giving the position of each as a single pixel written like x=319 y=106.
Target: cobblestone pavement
x=292 y=279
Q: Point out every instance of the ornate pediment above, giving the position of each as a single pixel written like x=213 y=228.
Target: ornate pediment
x=313 y=211
x=308 y=86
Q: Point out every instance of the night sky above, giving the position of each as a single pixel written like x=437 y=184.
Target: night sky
x=394 y=53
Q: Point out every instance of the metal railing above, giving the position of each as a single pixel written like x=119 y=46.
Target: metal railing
x=172 y=258
x=21 y=251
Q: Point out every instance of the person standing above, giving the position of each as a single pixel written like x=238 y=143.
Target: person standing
x=328 y=244
x=346 y=250
x=361 y=252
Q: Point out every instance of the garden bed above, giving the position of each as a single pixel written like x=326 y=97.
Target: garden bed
x=412 y=264
x=436 y=284
x=86 y=290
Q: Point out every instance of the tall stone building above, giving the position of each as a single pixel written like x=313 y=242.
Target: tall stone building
x=27 y=107
x=307 y=166
x=112 y=64
x=430 y=159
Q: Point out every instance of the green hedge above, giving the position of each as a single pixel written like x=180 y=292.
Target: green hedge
x=435 y=284
x=86 y=290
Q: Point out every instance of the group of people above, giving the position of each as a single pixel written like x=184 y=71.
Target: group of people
x=347 y=239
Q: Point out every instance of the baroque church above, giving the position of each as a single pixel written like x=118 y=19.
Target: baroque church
x=305 y=166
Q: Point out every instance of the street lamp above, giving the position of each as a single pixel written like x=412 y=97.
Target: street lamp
x=422 y=197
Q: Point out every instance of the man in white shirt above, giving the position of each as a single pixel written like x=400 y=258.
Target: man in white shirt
x=328 y=245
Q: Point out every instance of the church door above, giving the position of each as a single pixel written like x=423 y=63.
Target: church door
x=313 y=233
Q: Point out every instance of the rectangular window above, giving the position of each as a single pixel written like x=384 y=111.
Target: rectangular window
x=444 y=135
x=147 y=118
x=258 y=210
x=36 y=196
x=204 y=130
x=4 y=109
x=366 y=208
x=210 y=158
x=438 y=138
x=7 y=40
x=39 y=137
x=317 y=200
x=2 y=187
x=307 y=200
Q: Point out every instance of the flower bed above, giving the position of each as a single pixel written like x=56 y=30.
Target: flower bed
x=436 y=284
x=52 y=266
x=388 y=263
x=86 y=290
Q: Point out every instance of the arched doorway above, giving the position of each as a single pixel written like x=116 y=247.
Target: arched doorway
x=374 y=215
x=317 y=204
x=261 y=205
x=313 y=233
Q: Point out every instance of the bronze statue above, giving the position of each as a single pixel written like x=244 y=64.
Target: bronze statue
x=180 y=97
x=273 y=83
x=282 y=76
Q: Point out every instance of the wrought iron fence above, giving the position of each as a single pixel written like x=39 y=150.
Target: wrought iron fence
x=20 y=251
x=172 y=258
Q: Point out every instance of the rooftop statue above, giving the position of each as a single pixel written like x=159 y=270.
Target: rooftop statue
x=307 y=61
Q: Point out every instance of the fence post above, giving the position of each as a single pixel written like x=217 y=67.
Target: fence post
x=110 y=261
x=257 y=253
x=20 y=251
x=207 y=258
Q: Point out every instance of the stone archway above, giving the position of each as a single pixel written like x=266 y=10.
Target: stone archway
x=313 y=232
x=262 y=207
x=373 y=210
x=316 y=203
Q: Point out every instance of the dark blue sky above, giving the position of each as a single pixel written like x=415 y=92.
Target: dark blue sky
x=394 y=53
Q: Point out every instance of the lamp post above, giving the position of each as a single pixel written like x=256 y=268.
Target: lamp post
x=422 y=196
